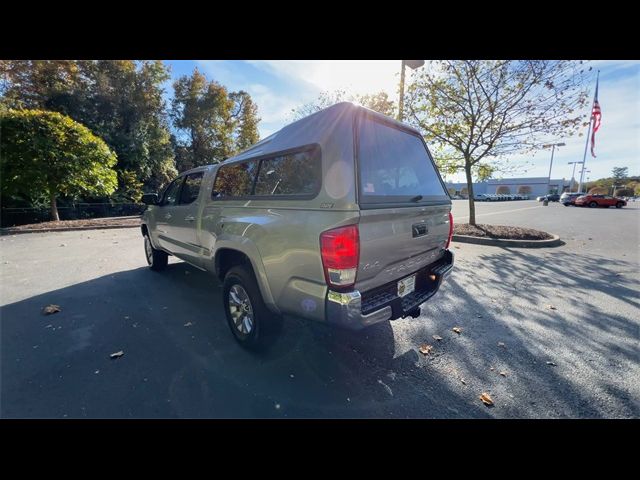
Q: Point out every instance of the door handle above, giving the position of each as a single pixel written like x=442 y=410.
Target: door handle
x=190 y=218
x=167 y=216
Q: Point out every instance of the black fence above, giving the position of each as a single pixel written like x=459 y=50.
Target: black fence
x=11 y=217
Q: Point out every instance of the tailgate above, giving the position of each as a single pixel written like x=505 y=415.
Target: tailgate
x=395 y=242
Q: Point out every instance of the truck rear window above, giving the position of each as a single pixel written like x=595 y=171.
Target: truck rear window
x=394 y=166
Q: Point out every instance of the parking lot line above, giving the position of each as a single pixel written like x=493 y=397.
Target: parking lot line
x=502 y=211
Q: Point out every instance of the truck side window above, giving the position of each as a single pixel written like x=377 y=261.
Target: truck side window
x=171 y=193
x=234 y=180
x=191 y=188
x=293 y=174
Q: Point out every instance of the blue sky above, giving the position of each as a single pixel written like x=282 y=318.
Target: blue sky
x=278 y=86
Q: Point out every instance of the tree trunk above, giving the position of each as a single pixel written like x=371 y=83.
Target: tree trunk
x=54 y=207
x=472 y=205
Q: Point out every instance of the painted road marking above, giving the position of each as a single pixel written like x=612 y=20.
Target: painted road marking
x=503 y=211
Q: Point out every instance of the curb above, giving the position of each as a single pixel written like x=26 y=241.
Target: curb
x=64 y=229
x=500 y=242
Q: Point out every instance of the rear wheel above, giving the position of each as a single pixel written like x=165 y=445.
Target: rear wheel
x=619 y=205
x=593 y=204
x=246 y=313
x=157 y=259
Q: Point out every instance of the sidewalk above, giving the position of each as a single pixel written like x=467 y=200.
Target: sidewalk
x=68 y=225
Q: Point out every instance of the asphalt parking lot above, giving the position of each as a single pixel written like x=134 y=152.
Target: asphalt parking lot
x=547 y=333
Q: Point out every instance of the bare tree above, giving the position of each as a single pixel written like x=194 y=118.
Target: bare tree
x=483 y=111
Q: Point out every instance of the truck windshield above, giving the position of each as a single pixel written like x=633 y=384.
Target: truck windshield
x=395 y=166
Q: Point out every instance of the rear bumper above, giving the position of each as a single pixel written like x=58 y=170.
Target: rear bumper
x=356 y=310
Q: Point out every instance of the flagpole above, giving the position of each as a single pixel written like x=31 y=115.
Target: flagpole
x=584 y=157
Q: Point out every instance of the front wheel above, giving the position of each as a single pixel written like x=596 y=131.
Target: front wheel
x=246 y=313
x=619 y=205
x=157 y=259
x=593 y=205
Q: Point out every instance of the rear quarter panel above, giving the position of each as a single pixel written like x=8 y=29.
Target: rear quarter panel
x=283 y=244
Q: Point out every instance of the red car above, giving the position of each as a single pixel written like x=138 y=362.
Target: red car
x=594 y=201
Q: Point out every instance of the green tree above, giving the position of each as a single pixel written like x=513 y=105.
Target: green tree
x=47 y=152
x=247 y=117
x=620 y=173
x=378 y=102
x=129 y=188
x=202 y=112
x=484 y=111
x=125 y=106
x=121 y=101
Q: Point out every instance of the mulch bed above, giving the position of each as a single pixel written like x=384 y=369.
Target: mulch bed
x=500 y=231
x=88 y=222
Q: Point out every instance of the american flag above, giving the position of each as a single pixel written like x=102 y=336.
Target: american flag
x=596 y=115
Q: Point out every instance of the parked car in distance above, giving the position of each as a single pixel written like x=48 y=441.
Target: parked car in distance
x=569 y=198
x=552 y=197
x=340 y=217
x=594 y=201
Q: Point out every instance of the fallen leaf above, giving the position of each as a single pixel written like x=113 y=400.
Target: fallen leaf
x=491 y=369
x=49 y=309
x=501 y=344
x=551 y=307
x=425 y=349
x=117 y=354
x=463 y=382
x=188 y=324
x=503 y=373
x=552 y=364
x=437 y=337
x=458 y=330
x=63 y=244
x=486 y=399
x=455 y=246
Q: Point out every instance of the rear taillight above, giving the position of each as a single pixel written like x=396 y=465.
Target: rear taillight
x=450 y=230
x=340 y=250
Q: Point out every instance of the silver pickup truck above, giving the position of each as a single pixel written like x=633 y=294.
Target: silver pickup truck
x=340 y=217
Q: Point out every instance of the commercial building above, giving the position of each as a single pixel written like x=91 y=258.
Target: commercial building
x=533 y=186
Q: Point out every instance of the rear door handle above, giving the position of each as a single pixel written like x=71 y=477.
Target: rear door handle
x=190 y=218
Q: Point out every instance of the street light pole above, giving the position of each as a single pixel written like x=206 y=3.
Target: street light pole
x=401 y=100
x=553 y=148
x=413 y=64
x=573 y=174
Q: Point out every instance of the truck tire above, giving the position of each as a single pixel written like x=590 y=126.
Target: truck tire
x=593 y=205
x=157 y=259
x=247 y=315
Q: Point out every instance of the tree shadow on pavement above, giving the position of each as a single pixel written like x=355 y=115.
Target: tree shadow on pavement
x=180 y=359
x=562 y=326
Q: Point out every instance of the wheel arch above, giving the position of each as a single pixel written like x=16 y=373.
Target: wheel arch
x=226 y=257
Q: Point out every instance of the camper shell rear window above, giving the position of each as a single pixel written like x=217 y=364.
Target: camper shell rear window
x=394 y=166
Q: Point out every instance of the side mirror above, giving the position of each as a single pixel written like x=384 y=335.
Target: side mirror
x=150 y=198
